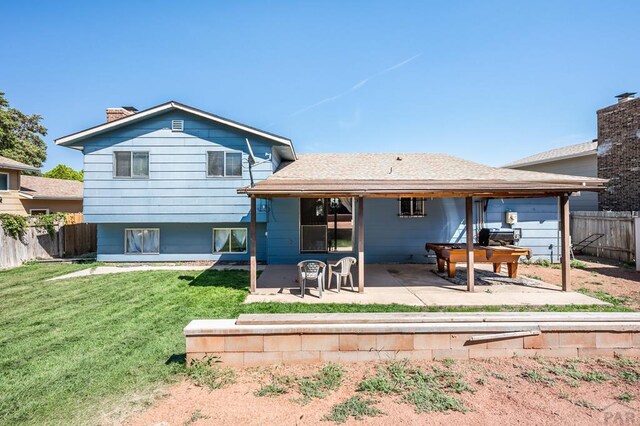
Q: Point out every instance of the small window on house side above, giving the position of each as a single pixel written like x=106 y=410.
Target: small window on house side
x=229 y=240
x=131 y=164
x=35 y=212
x=4 y=181
x=142 y=241
x=411 y=207
x=224 y=164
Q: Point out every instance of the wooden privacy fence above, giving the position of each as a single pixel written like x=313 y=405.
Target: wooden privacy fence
x=79 y=238
x=68 y=240
x=617 y=230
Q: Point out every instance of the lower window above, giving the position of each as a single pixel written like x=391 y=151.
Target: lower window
x=142 y=241
x=229 y=240
x=34 y=212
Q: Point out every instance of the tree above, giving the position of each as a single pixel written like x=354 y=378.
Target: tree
x=64 y=172
x=21 y=135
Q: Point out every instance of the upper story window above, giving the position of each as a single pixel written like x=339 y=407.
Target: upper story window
x=222 y=163
x=4 y=181
x=131 y=164
x=411 y=207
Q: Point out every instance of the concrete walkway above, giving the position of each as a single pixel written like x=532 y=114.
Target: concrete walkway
x=414 y=285
x=118 y=269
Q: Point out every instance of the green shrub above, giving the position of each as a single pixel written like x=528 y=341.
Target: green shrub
x=13 y=225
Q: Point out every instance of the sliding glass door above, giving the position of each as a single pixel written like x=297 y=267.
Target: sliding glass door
x=326 y=224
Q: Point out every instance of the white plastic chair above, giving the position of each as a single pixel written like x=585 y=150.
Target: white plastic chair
x=311 y=270
x=343 y=273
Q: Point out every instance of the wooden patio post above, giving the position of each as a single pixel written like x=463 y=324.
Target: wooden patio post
x=252 y=244
x=563 y=202
x=469 y=223
x=360 y=244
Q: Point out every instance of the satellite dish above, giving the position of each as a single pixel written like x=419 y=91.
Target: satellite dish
x=252 y=158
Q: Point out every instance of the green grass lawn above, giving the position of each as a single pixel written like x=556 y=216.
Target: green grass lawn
x=73 y=349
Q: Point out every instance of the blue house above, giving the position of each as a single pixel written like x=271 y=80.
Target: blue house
x=175 y=183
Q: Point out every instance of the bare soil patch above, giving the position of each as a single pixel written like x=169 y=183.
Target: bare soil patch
x=598 y=275
x=504 y=391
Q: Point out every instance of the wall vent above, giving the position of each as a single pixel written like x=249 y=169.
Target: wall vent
x=177 y=125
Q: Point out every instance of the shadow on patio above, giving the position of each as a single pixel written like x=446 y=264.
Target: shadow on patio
x=417 y=285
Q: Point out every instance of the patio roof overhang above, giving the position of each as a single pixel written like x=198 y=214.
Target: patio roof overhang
x=374 y=188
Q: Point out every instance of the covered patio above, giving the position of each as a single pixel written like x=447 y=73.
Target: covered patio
x=415 y=176
x=417 y=285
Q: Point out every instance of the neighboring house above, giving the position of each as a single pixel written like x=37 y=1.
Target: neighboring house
x=170 y=183
x=578 y=160
x=26 y=194
x=614 y=155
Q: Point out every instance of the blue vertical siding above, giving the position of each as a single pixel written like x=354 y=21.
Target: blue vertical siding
x=393 y=239
x=388 y=237
x=538 y=219
x=178 y=242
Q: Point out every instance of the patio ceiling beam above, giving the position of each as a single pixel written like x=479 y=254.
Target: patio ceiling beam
x=470 y=248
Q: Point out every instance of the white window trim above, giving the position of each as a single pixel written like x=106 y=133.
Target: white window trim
x=140 y=229
x=224 y=165
x=423 y=214
x=213 y=241
x=31 y=211
x=8 y=182
x=114 y=167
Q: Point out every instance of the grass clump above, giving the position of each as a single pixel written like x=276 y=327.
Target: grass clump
x=328 y=378
x=616 y=301
x=426 y=400
x=206 y=373
x=536 y=376
x=356 y=407
x=578 y=264
x=280 y=384
x=571 y=371
x=625 y=397
x=425 y=390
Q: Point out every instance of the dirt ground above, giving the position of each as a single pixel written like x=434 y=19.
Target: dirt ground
x=503 y=391
x=599 y=275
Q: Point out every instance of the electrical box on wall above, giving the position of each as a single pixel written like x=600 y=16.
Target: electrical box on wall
x=511 y=218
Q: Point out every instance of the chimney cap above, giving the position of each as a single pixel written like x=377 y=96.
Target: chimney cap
x=130 y=108
x=626 y=95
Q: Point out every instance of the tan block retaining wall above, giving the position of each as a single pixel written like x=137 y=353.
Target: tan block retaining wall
x=261 y=340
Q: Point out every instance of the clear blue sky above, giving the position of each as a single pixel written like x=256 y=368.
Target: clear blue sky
x=487 y=81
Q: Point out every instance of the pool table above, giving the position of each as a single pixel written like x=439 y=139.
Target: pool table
x=447 y=255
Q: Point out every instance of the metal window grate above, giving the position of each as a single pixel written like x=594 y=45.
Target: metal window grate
x=177 y=125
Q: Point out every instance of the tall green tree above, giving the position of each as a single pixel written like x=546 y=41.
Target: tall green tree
x=21 y=135
x=64 y=172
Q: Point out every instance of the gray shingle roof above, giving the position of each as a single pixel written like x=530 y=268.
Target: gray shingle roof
x=8 y=163
x=570 y=151
x=408 y=173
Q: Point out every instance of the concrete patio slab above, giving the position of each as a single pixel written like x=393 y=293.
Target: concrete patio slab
x=415 y=285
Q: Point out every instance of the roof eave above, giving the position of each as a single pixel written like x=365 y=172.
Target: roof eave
x=550 y=160
x=159 y=109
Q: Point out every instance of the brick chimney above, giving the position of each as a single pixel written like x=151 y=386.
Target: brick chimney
x=119 y=112
x=619 y=154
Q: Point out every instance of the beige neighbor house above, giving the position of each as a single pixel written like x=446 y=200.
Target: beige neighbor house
x=29 y=195
x=614 y=155
x=578 y=160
